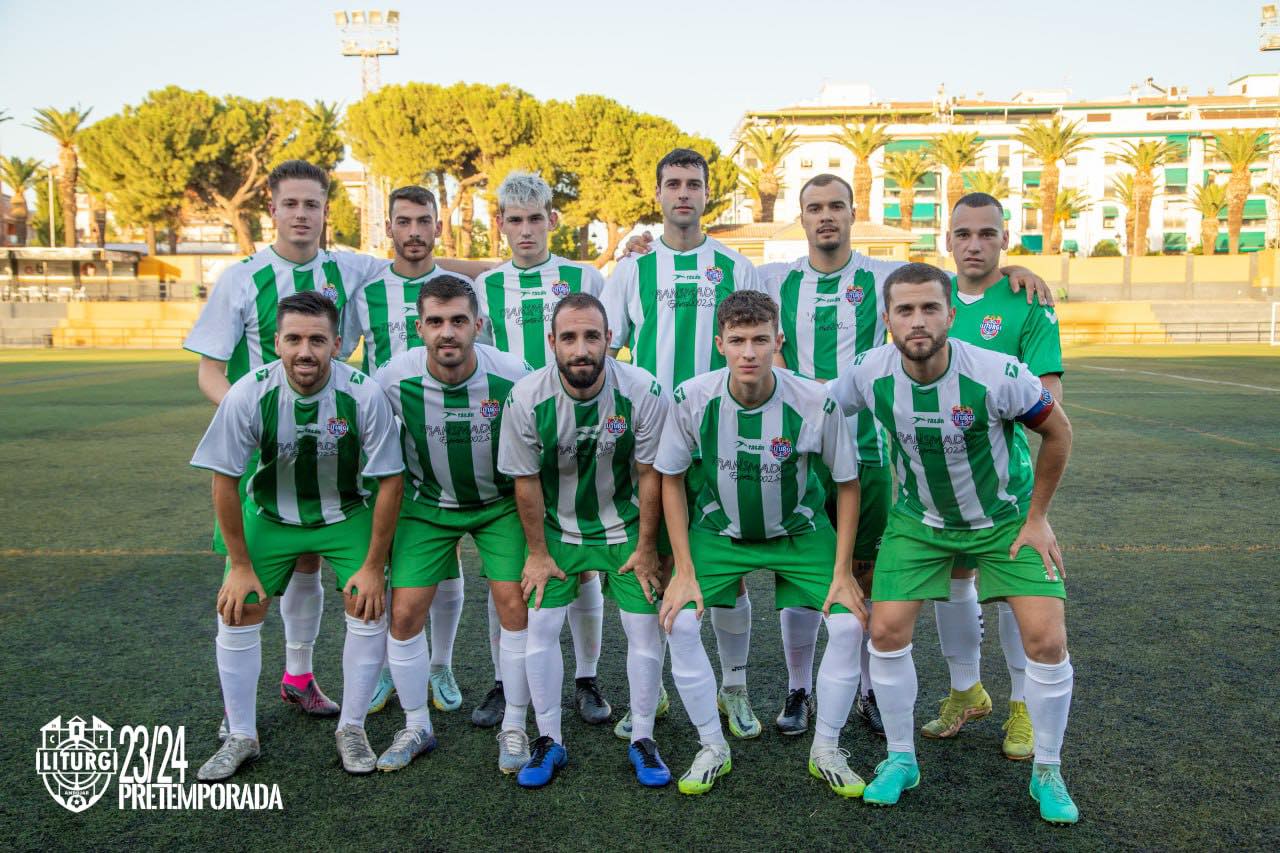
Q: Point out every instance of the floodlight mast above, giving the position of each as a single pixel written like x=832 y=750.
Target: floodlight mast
x=370 y=34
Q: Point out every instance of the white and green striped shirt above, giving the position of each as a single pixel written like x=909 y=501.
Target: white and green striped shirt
x=827 y=319
x=663 y=306
x=952 y=440
x=758 y=482
x=585 y=451
x=450 y=432
x=312 y=451
x=517 y=303
x=238 y=324
x=383 y=311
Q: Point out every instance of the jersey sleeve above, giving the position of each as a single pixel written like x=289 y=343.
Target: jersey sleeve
x=836 y=443
x=616 y=297
x=593 y=282
x=771 y=277
x=679 y=437
x=221 y=324
x=481 y=289
x=379 y=438
x=1041 y=345
x=652 y=406
x=351 y=328
x=1022 y=397
x=749 y=279
x=519 y=449
x=232 y=434
x=845 y=393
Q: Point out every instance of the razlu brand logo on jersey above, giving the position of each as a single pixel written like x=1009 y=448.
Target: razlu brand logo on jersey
x=615 y=424
x=490 y=408
x=962 y=416
x=560 y=288
x=853 y=294
x=330 y=292
x=990 y=326
x=337 y=427
x=781 y=448
x=715 y=275
x=76 y=761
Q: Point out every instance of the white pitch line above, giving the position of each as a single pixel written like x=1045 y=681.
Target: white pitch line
x=1177 y=376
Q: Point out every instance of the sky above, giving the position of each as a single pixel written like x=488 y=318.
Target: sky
x=700 y=64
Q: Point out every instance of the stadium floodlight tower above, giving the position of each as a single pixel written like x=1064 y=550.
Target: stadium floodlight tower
x=1269 y=35
x=370 y=34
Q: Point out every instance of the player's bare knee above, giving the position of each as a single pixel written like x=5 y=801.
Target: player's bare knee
x=1046 y=650
x=252 y=614
x=513 y=610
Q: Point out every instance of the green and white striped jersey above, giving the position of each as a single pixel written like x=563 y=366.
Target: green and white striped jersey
x=450 y=432
x=383 y=311
x=758 y=480
x=238 y=324
x=663 y=306
x=517 y=304
x=958 y=465
x=585 y=451
x=827 y=319
x=312 y=451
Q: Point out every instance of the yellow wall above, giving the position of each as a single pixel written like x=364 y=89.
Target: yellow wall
x=1155 y=269
x=1098 y=271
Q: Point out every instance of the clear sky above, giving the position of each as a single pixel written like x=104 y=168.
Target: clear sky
x=699 y=63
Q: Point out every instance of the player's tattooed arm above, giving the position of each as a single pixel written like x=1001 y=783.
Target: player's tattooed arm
x=1053 y=384
x=211 y=379
x=241 y=580
x=471 y=269
x=644 y=559
x=1021 y=278
x=1051 y=462
x=539 y=566
x=683 y=588
x=844 y=589
x=366 y=590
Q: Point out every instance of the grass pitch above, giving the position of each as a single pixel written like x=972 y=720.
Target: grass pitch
x=1168 y=516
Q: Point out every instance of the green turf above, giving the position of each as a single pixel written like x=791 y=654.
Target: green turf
x=1168 y=516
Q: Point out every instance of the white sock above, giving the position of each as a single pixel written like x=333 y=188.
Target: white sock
x=799 y=639
x=960 y=632
x=544 y=666
x=300 y=610
x=1049 y=688
x=644 y=670
x=239 y=653
x=446 y=612
x=586 y=620
x=515 y=687
x=495 y=638
x=1015 y=657
x=893 y=674
x=695 y=681
x=362 y=656
x=864 y=657
x=732 y=627
x=410 y=663
x=837 y=677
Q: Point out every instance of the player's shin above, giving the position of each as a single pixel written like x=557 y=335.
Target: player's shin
x=411 y=670
x=837 y=677
x=515 y=686
x=893 y=675
x=799 y=639
x=1049 y=687
x=301 y=607
x=544 y=666
x=239 y=652
x=1015 y=657
x=362 y=657
x=959 y=633
x=644 y=670
x=586 y=624
x=695 y=681
x=732 y=627
x=446 y=613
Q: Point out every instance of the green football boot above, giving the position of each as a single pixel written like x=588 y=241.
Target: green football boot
x=1048 y=789
x=957 y=709
x=897 y=773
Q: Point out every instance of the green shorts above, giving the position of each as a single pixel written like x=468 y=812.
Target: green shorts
x=275 y=547
x=802 y=566
x=875 y=483
x=424 y=551
x=573 y=560
x=916 y=559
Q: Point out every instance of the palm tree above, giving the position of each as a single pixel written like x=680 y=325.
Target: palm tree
x=955 y=151
x=763 y=181
x=1050 y=143
x=991 y=183
x=1144 y=157
x=64 y=126
x=1070 y=203
x=1208 y=200
x=905 y=168
x=20 y=175
x=862 y=140
x=1240 y=148
x=1122 y=189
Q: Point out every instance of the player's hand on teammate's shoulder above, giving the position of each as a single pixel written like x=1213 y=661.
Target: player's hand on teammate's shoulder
x=1021 y=278
x=1036 y=533
x=239 y=583
x=845 y=591
x=682 y=590
x=367 y=588
x=638 y=244
x=539 y=569
x=643 y=562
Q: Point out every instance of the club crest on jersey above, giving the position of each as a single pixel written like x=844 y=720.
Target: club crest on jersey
x=337 y=427
x=962 y=416
x=990 y=326
x=615 y=425
x=490 y=408
x=560 y=288
x=330 y=292
x=853 y=294
x=715 y=275
x=781 y=448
